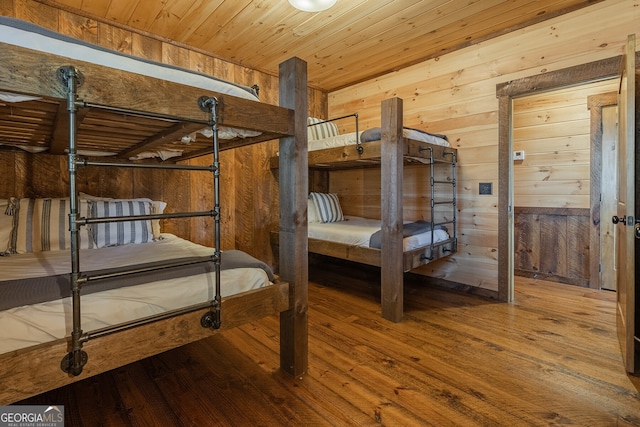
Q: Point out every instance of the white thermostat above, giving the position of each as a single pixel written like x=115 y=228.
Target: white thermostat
x=518 y=155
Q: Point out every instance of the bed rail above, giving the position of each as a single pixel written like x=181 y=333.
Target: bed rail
x=76 y=359
x=359 y=147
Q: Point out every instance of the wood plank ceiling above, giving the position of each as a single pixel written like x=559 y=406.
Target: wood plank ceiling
x=351 y=42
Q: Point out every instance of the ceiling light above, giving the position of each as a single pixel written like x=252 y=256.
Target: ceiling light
x=312 y=5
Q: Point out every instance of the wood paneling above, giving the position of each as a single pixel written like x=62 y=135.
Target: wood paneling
x=551 y=357
x=456 y=96
x=351 y=42
x=553 y=129
x=552 y=244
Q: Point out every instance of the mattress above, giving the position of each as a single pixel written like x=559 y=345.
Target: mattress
x=351 y=138
x=39 y=323
x=357 y=231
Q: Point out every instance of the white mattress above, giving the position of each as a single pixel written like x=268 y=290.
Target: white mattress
x=357 y=231
x=351 y=138
x=34 y=324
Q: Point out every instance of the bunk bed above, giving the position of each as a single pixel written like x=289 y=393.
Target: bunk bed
x=399 y=246
x=63 y=102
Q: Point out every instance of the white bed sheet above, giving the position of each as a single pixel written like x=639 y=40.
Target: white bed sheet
x=34 y=324
x=351 y=138
x=357 y=231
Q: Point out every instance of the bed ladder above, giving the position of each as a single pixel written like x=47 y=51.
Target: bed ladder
x=74 y=361
x=447 y=202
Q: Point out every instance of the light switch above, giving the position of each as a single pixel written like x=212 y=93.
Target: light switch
x=518 y=155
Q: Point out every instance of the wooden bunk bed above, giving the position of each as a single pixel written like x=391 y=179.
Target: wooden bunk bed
x=68 y=106
x=391 y=153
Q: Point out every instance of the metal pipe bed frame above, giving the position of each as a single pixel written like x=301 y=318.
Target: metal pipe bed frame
x=76 y=359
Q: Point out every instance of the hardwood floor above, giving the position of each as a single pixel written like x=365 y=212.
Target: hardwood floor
x=549 y=358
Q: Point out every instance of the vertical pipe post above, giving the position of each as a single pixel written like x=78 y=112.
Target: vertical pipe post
x=212 y=319
x=74 y=361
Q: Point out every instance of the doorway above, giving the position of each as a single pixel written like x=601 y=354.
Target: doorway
x=592 y=72
x=560 y=165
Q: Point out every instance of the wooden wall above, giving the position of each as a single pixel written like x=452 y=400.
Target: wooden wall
x=552 y=244
x=456 y=95
x=553 y=129
x=249 y=192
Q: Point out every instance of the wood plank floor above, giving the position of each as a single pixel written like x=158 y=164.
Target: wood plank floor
x=550 y=358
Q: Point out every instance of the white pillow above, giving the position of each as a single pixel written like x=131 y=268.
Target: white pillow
x=328 y=206
x=43 y=225
x=322 y=131
x=121 y=232
x=6 y=226
x=312 y=211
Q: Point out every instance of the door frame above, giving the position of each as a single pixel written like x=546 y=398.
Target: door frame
x=505 y=92
x=596 y=103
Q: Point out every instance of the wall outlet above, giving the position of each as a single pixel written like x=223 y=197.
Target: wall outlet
x=485 y=188
x=518 y=155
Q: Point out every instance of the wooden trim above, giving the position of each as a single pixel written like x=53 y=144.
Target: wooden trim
x=551 y=211
x=551 y=278
x=36 y=369
x=505 y=202
x=595 y=104
x=579 y=74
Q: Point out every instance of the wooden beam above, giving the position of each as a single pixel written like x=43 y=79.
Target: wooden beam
x=34 y=73
x=293 y=176
x=505 y=202
x=36 y=369
x=392 y=218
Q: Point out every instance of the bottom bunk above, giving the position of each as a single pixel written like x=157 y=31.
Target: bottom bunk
x=359 y=239
x=35 y=326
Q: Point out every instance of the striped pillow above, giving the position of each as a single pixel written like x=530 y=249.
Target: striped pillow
x=322 y=131
x=328 y=207
x=122 y=232
x=157 y=207
x=43 y=225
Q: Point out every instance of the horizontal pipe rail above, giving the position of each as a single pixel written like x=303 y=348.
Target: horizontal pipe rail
x=103 y=220
x=84 y=162
x=146 y=114
x=126 y=272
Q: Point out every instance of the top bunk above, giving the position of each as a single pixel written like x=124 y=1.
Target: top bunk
x=120 y=114
x=331 y=150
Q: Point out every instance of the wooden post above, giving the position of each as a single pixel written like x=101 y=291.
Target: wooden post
x=391 y=186
x=505 y=202
x=293 y=181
